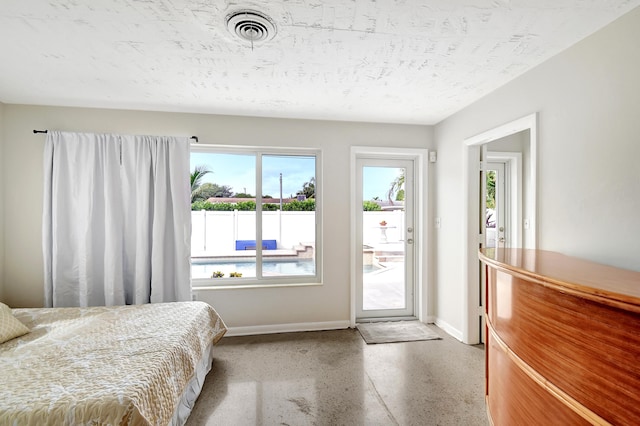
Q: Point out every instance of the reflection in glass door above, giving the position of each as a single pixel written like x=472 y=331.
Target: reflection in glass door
x=386 y=233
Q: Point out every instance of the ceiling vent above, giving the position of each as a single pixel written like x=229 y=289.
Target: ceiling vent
x=251 y=26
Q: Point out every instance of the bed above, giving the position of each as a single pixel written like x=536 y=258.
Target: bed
x=124 y=365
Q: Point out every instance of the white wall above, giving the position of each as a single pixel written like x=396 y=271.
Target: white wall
x=239 y=307
x=511 y=143
x=1 y=202
x=588 y=99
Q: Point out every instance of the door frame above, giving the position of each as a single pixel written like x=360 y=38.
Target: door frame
x=409 y=269
x=422 y=275
x=472 y=311
x=513 y=192
x=508 y=167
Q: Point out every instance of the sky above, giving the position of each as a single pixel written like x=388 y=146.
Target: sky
x=238 y=172
x=376 y=181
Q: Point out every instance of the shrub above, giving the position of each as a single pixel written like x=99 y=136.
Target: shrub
x=201 y=205
x=307 y=205
x=244 y=206
x=370 y=206
x=270 y=207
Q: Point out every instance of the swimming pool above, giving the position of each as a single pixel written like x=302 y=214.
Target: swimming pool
x=204 y=268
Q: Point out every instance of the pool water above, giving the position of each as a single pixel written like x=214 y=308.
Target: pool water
x=204 y=268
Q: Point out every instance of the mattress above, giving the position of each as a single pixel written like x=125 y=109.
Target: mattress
x=125 y=365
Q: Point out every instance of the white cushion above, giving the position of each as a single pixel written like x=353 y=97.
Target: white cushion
x=10 y=327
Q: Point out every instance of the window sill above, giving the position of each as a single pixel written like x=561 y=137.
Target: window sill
x=251 y=286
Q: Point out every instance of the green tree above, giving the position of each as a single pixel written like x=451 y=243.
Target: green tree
x=225 y=191
x=205 y=191
x=196 y=178
x=491 y=189
x=211 y=190
x=243 y=195
x=308 y=189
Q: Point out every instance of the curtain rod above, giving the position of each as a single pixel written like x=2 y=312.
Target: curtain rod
x=46 y=131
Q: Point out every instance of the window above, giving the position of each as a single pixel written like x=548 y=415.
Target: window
x=255 y=216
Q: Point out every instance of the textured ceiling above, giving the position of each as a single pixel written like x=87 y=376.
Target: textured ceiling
x=401 y=61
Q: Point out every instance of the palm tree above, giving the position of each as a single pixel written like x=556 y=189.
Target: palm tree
x=196 y=179
x=396 y=186
x=308 y=188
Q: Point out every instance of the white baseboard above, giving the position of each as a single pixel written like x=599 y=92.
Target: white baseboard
x=449 y=328
x=430 y=320
x=286 y=328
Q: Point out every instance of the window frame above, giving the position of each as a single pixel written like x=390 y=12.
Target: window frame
x=259 y=280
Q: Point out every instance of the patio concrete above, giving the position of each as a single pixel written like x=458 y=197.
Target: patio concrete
x=384 y=288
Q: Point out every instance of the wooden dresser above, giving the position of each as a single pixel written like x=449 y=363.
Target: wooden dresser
x=563 y=340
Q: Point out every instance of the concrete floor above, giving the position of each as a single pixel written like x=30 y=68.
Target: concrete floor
x=334 y=378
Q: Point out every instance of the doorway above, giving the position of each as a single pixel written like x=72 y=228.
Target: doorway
x=385 y=271
x=504 y=170
x=494 y=209
x=523 y=228
x=413 y=259
x=495 y=205
x=501 y=207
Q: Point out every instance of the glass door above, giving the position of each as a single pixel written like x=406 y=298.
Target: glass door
x=495 y=205
x=385 y=233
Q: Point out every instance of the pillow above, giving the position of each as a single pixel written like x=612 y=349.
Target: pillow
x=10 y=327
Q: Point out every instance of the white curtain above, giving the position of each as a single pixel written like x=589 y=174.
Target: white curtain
x=116 y=219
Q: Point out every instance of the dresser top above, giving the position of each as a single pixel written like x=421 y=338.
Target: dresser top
x=595 y=281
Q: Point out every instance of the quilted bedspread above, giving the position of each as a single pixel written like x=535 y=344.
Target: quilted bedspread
x=125 y=365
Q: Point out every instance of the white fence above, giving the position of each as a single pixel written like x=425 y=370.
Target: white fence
x=214 y=233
